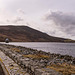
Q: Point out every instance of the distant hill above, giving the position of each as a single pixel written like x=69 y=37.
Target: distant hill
x=25 y=34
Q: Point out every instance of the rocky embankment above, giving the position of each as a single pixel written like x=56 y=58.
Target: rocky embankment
x=39 y=62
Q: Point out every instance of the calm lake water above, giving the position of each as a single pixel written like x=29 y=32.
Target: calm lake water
x=61 y=48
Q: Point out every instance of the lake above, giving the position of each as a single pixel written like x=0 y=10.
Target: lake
x=52 y=47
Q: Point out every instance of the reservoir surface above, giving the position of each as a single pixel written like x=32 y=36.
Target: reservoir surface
x=52 y=47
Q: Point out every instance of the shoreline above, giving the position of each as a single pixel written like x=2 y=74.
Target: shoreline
x=25 y=57
x=40 y=49
x=59 y=48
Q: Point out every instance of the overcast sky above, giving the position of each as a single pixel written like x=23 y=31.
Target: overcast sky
x=54 y=17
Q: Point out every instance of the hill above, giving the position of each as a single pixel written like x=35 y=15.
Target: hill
x=25 y=34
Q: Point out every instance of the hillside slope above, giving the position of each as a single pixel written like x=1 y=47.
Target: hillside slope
x=25 y=34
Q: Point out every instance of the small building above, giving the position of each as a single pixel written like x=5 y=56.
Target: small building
x=7 y=40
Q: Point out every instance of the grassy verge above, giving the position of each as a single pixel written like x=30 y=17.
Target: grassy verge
x=64 y=68
x=37 y=56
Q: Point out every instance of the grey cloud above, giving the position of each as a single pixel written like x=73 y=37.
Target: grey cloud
x=21 y=11
x=18 y=19
x=7 y=20
x=15 y=20
x=64 y=21
x=61 y=18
